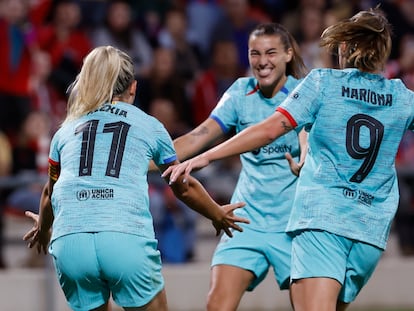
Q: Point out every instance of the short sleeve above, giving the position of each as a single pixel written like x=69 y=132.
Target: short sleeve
x=411 y=104
x=54 y=148
x=302 y=104
x=164 y=152
x=226 y=112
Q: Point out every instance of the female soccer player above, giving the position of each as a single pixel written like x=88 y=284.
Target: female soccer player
x=265 y=183
x=102 y=240
x=347 y=192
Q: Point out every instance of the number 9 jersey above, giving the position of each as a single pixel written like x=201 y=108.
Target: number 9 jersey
x=103 y=159
x=348 y=185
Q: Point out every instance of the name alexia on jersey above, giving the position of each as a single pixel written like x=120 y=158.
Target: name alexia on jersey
x=367 y=96
x=111 y=109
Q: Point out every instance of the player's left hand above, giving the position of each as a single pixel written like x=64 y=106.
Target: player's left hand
x=295 y=167
x=228 y=220
x=35 y=237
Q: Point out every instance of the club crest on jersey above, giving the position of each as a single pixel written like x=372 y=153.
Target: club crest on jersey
x=349 y=193
x=294 y=95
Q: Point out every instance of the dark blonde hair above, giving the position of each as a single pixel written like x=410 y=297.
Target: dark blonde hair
x=296 y=66
x=106 y=72
x=367 y=36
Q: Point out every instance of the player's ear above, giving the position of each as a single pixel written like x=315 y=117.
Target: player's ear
x=289 y=55
x=133 y=88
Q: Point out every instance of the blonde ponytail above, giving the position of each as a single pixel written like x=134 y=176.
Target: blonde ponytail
x=105 y=70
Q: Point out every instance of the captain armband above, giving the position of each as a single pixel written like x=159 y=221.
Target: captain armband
x=54 y=170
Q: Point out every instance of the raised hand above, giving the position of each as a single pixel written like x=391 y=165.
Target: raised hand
x=35 y=237
x=228 y=220
x=185 y=168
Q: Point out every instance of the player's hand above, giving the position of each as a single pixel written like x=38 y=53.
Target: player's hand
x=294 y=166
x=35 y=237
x=228 y=220
x=185 y=168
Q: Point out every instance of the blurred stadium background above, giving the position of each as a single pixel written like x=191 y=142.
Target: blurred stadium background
x=36 y=288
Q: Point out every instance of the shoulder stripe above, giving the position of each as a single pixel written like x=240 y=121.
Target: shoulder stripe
x=256 y=88
x=284 y=90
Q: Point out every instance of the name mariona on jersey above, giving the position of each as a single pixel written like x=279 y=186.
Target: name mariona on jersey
x=367 y=96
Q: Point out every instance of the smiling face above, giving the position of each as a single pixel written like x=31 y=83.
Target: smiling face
x=268 y=58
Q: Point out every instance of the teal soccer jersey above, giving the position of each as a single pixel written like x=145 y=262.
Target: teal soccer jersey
x=265 y=183
x=348 y=185
x=104 y=158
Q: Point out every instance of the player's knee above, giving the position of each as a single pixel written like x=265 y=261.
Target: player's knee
x=217 y=301
x=213 y=300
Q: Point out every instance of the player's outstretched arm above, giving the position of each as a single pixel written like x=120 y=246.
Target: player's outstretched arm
x=197 y=140
x=249 y=139
x=194 y=195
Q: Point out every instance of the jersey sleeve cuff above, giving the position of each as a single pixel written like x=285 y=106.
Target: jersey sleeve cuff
x=287 y=115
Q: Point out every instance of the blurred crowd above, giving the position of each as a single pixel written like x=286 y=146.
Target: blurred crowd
x=186 y=53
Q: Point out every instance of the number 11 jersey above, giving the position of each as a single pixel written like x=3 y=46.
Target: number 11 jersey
x=103 y=159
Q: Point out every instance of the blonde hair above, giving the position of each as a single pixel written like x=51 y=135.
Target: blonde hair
x=367 y=36
x=106 y=72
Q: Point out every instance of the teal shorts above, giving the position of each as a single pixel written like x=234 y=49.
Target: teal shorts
x=257 y=251
x=92 y=266
x=317 y=253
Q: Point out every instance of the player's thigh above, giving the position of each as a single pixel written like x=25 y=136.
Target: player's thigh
x=78 y=271
x=278 y=253
x=362 y=260
x=158 y=303
x=132 y=267
x=319 y=260
x=227 y=279
x=227 y=286
x=315 y=294
x=245 y=250
x=318 y=253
